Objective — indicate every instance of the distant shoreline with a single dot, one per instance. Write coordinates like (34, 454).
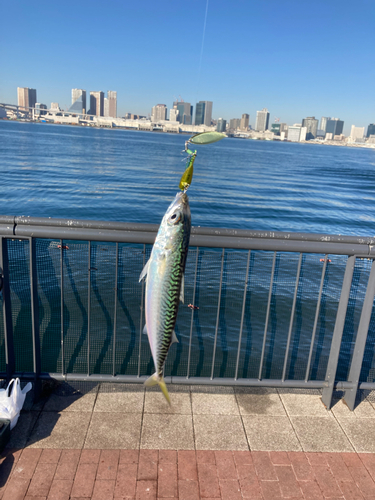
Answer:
(131, 129)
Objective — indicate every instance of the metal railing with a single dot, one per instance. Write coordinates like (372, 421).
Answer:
(268, 308)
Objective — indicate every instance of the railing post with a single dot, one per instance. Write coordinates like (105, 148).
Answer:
(35, 318)
(217, 314)
(360, 342)
(337, 333)
(7, 310)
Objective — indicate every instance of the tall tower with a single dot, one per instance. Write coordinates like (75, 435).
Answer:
(311, 125)
(112, 103)
(78, 101)
(97, 103)
(26, 97)
(262, 120)
(199, 113)
(159, 112)
(245, 122)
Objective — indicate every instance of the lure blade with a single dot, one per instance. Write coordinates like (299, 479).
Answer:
(207, 138)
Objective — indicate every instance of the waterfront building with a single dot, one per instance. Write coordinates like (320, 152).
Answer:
(235, 123)
(78, 101)
(311, 125)
(26, 97)
(39, 109)
(275, 128)
(244, 125)
(357, 133)
(55, 106)
(173, 115)
(297, 133)
(323, 123)
(221, 125)
(199, 113)
(112, 103)
(370, 130)
(96, 103)
(262, 120)
(334, 126)
(185, 112)
(283, 128)
(159, 112)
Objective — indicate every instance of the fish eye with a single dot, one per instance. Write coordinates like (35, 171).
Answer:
(175, 218)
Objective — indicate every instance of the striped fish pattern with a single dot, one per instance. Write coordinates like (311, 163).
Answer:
(164, 274)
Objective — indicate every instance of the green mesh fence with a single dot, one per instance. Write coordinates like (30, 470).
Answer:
(88, 337)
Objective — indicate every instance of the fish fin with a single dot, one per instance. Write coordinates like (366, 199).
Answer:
(145, 330)
(144, 270)
(182, 289)
(155, 379)
(174, 337)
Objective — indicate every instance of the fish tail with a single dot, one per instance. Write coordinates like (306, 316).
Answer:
(158, 379)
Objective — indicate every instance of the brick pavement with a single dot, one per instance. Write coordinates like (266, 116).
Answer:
(53, 474)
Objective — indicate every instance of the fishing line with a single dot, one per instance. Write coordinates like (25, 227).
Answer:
(201, 56)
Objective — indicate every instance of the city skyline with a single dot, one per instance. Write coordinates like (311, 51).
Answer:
(277, 66)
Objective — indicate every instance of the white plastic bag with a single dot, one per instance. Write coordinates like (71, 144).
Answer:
(11, 404)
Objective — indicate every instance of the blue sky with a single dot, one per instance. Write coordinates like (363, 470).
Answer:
(296, 58)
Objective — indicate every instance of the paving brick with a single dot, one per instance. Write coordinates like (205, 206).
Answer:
(126, 481)
(146, 490)
(42, 479)
(27, 497)
(350, 490)
(368, 460)
(129, 456)
(84, 480)
(288, 482)
(311, 490)
(66, 471)
(8, 461)
(248, 479)
(108, 464)
(264, 466)
(60, 489)
(316, 458)
(279, 458)
(326, 481)
(230, 489)
(50, 456)
(167, 456)
(242, 457)
(70, 456)
(187, 465)
(188, 490)
(103, 489)
(363, 480)
(27, 463)
(270, 490)
(301, 466)
(16, 488)
(148, 465)
(208, 481)
(338, 467)
(226, 468)
(352, 459)
(89, 457)
(167, 480)
(205, 457)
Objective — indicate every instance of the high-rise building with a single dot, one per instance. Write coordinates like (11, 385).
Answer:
(296, 133)
(26, 97)
(173, 115)
(159, 112)
(275, 128)
(235, 123)
(78, 101)
(96, 103)
(357, 133)
(185, 112)
(262, 120)
(244, 125)
(199, 113)
(207, 113)
(311, 125)
(323, 122)
(112, 103)
(221, 125)
(334, 126)
(39, 109)
(370, 130)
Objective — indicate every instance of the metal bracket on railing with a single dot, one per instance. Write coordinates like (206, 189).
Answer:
(1, 282)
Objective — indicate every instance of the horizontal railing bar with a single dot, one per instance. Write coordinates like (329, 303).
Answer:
(142, 237)
(244, 382)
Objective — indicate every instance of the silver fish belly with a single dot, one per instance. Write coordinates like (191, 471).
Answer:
(164, 274)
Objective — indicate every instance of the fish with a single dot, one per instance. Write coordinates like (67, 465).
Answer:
(164, 274)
